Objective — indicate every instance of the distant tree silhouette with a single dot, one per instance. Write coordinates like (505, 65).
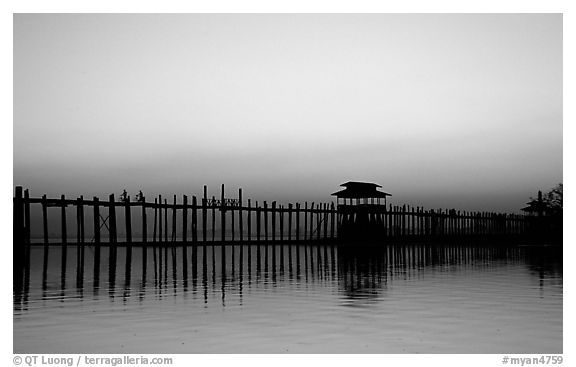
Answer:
(553, 199)
(549, 204)
(545, 215)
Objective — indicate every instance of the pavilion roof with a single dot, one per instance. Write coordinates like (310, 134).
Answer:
(358, 190)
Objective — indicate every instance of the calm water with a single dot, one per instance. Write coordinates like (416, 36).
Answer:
(290, 299)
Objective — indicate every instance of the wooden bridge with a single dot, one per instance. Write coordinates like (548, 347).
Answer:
(224, 220)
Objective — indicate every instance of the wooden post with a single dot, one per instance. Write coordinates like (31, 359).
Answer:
(281, 223)
(78, 205)
(166, 220)
(144, 224)
(389, 220)
(184, 218)
(18, 229)
(26, 217)
(297, 221)
(128, 218)
(311, 235)
(82, 233)
(273, 221)
(265, 221)
(383, 219)
(318, 223)
(258, 224)
(204, 213)
(438, 221)
(397, 221)
(155, 221)
(18, 246)
(159, 218)
(432, 222)
(240, 218)
(290, 222)
(332, 219)
(459, 223)
(96, 220)
(112, 217)
(63, 211)
(213, 218)
(173, 236)
(424, 222)
(429, 222)
(45, 219)
(222, 215)
(305, 220)
(403, 220)
(325, 221)
(416, 219)
(249, 218)
(232, 226)
(194, 219)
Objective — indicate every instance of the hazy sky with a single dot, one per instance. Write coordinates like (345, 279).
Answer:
(453, 110)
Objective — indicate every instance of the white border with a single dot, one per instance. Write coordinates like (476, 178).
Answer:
(294, 6)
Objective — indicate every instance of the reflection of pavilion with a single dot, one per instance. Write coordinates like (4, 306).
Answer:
(359, 207)
(362, 274)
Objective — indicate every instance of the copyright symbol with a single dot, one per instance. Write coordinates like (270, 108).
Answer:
(17, 360)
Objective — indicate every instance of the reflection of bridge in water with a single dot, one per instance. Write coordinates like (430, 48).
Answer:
(207, 271)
